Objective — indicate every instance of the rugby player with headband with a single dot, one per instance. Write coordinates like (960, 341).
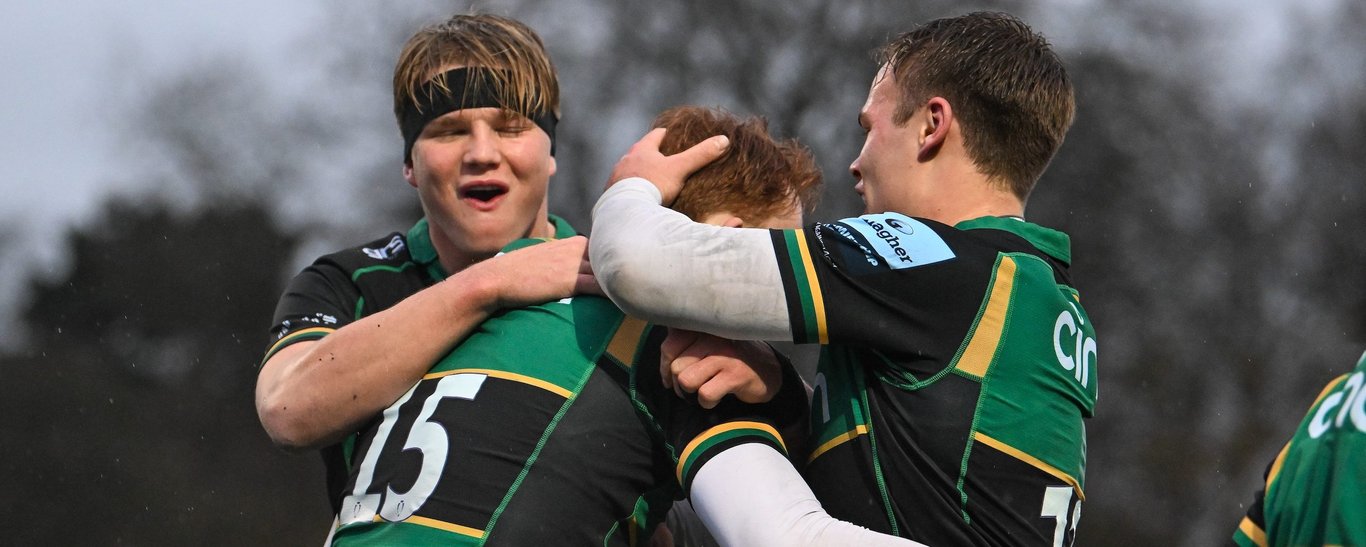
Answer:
(477, 100)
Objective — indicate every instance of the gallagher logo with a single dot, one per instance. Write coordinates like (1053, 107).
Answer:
(901, 241)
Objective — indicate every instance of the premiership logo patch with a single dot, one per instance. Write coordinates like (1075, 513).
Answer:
(386, 252)
(899, 240)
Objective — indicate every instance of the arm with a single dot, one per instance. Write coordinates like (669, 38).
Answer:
(658, 265)
(751, 495)
(312, 394)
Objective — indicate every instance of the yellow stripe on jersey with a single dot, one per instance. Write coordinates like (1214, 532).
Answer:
(296, 335)
(442, 525)
(981, 349)
(1252, 531)
(626, 341)
(838, 440)
(520, 378)
(717, 430)
(1031, 460)
(1276, 464)
(817, 301)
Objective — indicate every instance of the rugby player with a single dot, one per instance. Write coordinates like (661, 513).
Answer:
(958, 364)
(1315, 489)
(551, 424)
(355, 330)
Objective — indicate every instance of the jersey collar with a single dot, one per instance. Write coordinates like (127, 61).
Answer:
(1056, 244)
(422, 251)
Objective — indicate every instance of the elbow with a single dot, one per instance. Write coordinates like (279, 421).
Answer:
(625, 274)
(630, 288)
(285, 424)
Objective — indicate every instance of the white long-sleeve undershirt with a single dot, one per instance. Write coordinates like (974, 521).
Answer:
(750, 495)
(660, 266)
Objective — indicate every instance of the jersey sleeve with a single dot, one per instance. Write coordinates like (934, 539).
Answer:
(693, 435)
(319, 300)
(893, 284)
(1251, 531)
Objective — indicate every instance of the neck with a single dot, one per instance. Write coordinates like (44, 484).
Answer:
(994, 204)
(970, 195)
(455, 258)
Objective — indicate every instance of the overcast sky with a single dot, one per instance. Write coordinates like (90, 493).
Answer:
(64, 62)
(60, 62)
(61, 57)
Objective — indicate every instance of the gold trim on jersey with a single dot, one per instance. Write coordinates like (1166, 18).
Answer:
(1031, 460)
(838, 440)
(1276, 464)
(441, 525)
(296, 334)
(817, 301)
(520, 378)
(1252, 531)
(626, 341)
(719, 429)
(986, 335)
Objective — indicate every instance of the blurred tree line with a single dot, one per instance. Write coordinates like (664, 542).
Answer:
(1218, 247)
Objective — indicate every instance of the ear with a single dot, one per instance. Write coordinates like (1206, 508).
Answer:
(734, 222)
(408, 174)
(938, 117)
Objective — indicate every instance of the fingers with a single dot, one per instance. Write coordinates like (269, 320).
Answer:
(677, 342)
(541, 273)
(701, 154)
(707, 378)
(588, 284)
(667, 173)
(650, 142)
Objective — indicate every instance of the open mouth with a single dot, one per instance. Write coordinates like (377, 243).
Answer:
(482, 193)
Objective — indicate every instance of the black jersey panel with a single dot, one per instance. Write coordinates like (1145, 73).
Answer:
(587, 477)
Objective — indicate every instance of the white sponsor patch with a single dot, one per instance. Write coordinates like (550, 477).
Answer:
(901, 241)
(386, 252)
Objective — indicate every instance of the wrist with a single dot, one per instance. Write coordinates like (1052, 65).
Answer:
(475, 288)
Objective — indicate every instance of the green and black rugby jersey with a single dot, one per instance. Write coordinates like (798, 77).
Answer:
(1315, 492)
(347, 285)
(956, 370)
(540, 428)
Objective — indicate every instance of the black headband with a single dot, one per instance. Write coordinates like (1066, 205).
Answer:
(468, 88)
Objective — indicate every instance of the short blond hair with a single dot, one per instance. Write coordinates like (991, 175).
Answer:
(525, 82)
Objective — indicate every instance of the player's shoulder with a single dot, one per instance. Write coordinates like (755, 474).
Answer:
(390, 250)
(885, 240)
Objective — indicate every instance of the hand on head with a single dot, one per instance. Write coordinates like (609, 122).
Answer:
(667, 173)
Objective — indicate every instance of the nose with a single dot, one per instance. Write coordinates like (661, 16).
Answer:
(854, 170)
(483, 146)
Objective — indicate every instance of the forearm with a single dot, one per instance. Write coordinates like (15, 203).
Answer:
(751, 495)
(658, 265)
(315, 393)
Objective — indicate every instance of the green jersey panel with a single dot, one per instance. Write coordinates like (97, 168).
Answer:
(957, 369)
(1315, 490)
